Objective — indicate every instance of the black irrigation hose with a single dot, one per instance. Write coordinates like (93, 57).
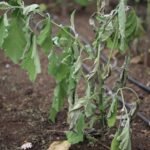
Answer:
(130, 79)
(140, 85)
(143, 118)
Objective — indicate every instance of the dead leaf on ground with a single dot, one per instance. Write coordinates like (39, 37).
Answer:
(60, 145)
(136, 59)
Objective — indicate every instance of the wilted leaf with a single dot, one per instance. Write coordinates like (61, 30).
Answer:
(4, 5)
(60, 145)
(111, 117)
(122, 23)
(58, 99)
(72, 21)
(125, 137)
(15, 43)
(122, 139)
(30, 8)
(57, 68)
(31, 61)
(107, 32)
(74, 137)
(115, 143)
(44, 38)
(77, 123)
(3, 30)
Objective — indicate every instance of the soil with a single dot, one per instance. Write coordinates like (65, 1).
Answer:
(24, 106)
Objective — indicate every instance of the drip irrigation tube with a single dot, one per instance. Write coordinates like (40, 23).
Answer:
(130, 79)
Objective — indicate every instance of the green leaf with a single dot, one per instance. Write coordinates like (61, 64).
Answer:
(60, 93)
(79, 104)
(4, 5)
(111, 117)
(122, 139)
(115, 143)
(52, 114)
(125, 137)
(133, 26)
(64, 37)
(44, 38)
(31, 61)
(16, 2)
(82, 2)
(107, 32)
(30, 8)
(57, 68)
(112, 44)
(77, 65)
(77, 124)
(74, 137)
(80, 124)
(122, 23)
(15, 42)
(3, 29)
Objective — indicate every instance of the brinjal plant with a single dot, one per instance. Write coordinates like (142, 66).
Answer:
(64, 50)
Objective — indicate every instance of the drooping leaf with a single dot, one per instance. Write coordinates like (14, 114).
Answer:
(72, 21)
(30, 8)
(115, 143)
(133, 26)
(3, 29)
(35, 56)
(131, 23)
(60, 93)
(31, 61)
(122, 23)
(77, 65)
(105, 34)
(122, 139)
(4, 5)
(125, 137)
(64, 38)
(58, 68)
(74, 137)
(15, 43)
(44, 38)
(79, 104)
(77, 123)
(112, 43)
(111, 117)
(80, 124)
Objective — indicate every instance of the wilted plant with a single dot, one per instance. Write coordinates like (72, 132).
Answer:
(114, 30)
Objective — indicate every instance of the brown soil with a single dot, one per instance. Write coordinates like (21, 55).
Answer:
(24, 106)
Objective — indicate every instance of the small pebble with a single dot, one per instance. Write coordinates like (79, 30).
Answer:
(7, 66)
